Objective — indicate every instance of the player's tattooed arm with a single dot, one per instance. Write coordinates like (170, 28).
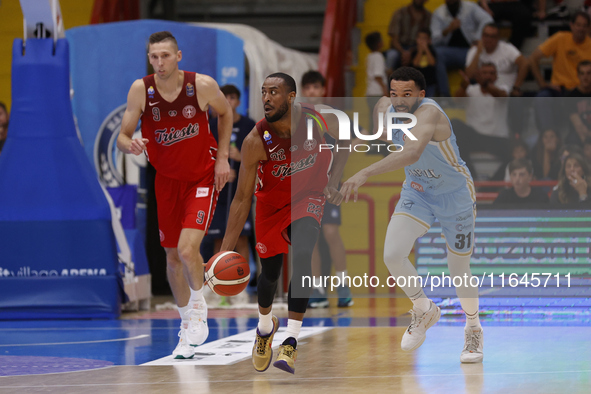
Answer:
(252, 152)
(135, 102)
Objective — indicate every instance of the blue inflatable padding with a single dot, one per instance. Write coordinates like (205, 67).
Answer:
(138, 252)
(58, 255)
(125, 199)
(77, 298)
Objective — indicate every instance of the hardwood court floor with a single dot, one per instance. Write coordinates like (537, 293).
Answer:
(360, 352)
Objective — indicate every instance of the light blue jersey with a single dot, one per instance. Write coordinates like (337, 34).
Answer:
(440, 169)
(439, 186)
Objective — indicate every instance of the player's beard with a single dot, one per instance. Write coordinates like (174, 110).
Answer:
(279, 114)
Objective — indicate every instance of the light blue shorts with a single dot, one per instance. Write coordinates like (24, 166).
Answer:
(455, 211)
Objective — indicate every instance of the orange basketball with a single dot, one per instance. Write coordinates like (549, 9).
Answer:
(227, 273)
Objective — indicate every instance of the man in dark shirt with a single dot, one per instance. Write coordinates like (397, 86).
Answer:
(521, 172)
(579, 107)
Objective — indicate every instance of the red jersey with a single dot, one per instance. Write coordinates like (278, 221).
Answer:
(181, 145)
(295, 167)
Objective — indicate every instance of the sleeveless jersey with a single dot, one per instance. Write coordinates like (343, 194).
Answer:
(295, 167)
(440, 169)
(181, 145)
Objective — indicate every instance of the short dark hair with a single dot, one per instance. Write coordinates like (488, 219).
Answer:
(372, 40)
(574, 17)
(493, 25)
(313, 76)
(425, 31)
(230, 89)
(409, 74)
(583, 64)
(517, 164)
(161, 36)
(3, 106)
(288, 81)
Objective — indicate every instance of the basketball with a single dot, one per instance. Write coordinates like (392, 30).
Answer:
(227, 273)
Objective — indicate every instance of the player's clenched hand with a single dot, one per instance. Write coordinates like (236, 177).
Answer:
(138, 145)
(222, 173)
(332, 195)
(352, 185)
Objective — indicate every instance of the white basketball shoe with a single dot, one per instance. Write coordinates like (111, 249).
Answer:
(473, 346)
(183, 350)
(415, 334)
(197, 331)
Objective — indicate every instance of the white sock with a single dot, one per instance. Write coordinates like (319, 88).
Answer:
(265, 325)
(473, 321)
(422, 303)
(196, 296)
(293, 328)
(182, 311)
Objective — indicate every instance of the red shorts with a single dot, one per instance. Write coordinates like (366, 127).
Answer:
(271, 223)
(182, 205)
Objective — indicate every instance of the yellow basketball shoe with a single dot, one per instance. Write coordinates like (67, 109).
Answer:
(287, 355)
(262, 352)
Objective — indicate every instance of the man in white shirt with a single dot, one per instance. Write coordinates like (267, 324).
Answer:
(512, 66)
(486, 127)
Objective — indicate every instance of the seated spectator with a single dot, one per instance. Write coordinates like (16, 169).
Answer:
(3, 124)
(424, 59)
(455, 26)
(567, 49)
(580, 110)
(546, 157)
(512, 66)
(522, 173)
(514, 11)
(572, 185)
(486, 127)
(404, 26)
(519, 150)
(587, 149)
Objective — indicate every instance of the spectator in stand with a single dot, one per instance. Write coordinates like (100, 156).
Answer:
(512, 66)
(546, 158)
(3, 124)
(519, 150)
(572, 185)
(486, 127)
(514, 11)
(522, 173)
(455, 26)
(580, 110)
(567, 49)
(424, 59)
(566, 150)
(587, 149)
(404, 27)
(375, 67)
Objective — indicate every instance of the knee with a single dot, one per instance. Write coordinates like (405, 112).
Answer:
(186, 253)
(331, 233)
(394, 256)
(173, 261)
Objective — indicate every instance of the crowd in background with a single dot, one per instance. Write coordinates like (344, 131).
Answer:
(466, 39)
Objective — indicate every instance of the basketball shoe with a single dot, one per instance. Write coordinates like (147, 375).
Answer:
(183, 350)
(415, 334)
(197, 331)
(317, 300)
(473, 346)
(262, 351)
(287, 355)
(345, 299)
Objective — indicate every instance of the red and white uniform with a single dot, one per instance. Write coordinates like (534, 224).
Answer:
(290, 183)
(183, 151)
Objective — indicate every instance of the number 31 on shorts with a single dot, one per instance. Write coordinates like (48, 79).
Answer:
(463, 241)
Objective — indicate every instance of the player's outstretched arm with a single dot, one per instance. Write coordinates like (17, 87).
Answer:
(210, 94)
(252, 152)
(135, 101)
(428, 118)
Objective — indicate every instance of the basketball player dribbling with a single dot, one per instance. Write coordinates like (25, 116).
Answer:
(291, 174)
(438, 185)
(190, 170)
